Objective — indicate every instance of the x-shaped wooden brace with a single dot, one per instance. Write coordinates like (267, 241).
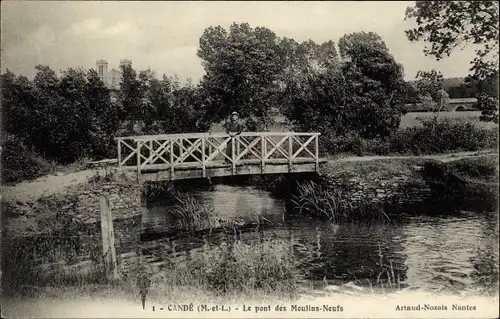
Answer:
(218, 149)
(303, 146)
(276, 146)
(248, 147)
(157, 154)
(185, 153)
(134, 152)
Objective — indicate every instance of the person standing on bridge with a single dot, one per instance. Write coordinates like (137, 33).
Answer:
(234, 126)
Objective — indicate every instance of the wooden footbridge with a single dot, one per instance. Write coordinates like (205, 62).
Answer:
(197, 155)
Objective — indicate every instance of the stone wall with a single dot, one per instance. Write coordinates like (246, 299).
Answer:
(391, 190)
(64, 230)
(403, 185)
(126, 201)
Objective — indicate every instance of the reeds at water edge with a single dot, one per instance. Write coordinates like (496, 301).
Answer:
(315, 200)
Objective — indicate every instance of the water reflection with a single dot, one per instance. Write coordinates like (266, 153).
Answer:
(242, 202)
(421, 252)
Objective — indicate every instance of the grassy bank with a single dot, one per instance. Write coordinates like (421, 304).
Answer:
(232, 268)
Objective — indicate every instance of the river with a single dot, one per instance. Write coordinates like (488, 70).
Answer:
(429, 252)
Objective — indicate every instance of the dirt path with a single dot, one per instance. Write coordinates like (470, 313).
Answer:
(45, 186)
(440, 157)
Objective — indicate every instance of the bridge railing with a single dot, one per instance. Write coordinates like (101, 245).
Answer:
(205, 150)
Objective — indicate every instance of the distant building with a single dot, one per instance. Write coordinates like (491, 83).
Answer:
(458, 104)
(463, 103)
(113, 77)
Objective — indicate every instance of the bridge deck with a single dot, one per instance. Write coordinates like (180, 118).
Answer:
(183, 156)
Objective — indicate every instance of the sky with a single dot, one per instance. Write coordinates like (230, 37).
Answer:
(164, 35)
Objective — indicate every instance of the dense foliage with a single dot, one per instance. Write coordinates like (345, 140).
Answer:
(61, 119)
(362, 93)
(242, 67)
(448, 25)
(20, 162)
(431, 137)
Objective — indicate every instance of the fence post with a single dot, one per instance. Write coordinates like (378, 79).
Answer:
(138, 161)
(316, 146)
(263, 151)
(119, 152)
(238, 150)
(290, 153)
(232, 155)
(172, 159)
(108, 238)
(152, 154)
(203, 156)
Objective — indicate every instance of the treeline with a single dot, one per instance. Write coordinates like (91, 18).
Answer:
(353, 88)
(54, 120)
(71, 116)
(469, 90)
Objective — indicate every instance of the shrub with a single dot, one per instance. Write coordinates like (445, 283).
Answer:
(349, 143)
(431, 138)
(21, 162)
(442, 136)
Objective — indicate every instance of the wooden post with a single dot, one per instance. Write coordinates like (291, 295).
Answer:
(232, 156)
(203, 157)
(108, 238)
(263, 152)
(119, 152)
(138, 161)
(316, 154)
(172, 159)
(238, 151)
(290, 153)
(151, 153)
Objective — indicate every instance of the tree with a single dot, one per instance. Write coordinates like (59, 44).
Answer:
(130, 95)
(148, 88)
(64, 118)
(105, 116)
(448, 25)
(430, 85)
(18, 97)
(489, 107)
(363, 94)
(300, 64)
(377, 81)
(242, 68)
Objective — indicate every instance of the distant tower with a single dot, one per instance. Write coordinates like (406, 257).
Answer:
(125, 63)
(102, 69)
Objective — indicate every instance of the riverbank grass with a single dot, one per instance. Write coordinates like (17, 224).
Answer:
(314, 199)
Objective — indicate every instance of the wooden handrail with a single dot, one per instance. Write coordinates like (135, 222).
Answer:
(199, 135)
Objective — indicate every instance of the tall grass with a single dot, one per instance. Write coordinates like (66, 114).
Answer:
(190, 215)
(387, 276)
(315, 200)
(233, 267)
(486, 268)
